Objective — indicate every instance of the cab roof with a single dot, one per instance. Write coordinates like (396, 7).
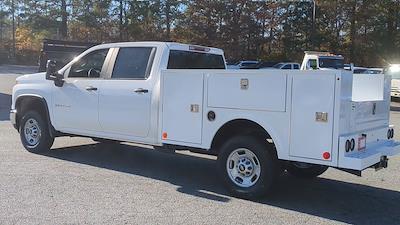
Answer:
(322, 54)
(170, 45)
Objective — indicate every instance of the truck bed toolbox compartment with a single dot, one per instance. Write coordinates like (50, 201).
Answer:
(248, 90)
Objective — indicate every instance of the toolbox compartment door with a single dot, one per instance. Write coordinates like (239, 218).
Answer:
(182, 108)
(313, 96)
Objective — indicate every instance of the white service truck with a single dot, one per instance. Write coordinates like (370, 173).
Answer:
(180, 97)
(321, 61)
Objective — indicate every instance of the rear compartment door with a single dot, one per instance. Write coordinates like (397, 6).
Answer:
(312, 102)
(370, 102)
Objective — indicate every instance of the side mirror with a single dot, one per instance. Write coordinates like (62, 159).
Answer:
(52, 74)
(51, 69)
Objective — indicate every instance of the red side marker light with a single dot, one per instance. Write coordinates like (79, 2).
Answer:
(326, 155)
(164, 135)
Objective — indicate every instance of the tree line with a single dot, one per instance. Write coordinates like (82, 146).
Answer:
(365, 32)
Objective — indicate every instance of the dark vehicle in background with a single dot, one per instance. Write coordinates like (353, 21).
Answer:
(359, 70)
(61, 51)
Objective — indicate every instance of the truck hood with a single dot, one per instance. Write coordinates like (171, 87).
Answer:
(31, 78)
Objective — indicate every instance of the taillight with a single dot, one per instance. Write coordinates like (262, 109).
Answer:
(390, 133)
(350, 145)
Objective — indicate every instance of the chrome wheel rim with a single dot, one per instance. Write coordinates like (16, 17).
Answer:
(243, 167)
(32, 132)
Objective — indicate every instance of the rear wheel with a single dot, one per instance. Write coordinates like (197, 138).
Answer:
(305, 170)
(34, 133)
(247, 166)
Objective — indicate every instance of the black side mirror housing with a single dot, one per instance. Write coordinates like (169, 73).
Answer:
(50, 69)
(52, 74)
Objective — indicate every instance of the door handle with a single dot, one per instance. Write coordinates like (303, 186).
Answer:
(141, 90)
(91, 88)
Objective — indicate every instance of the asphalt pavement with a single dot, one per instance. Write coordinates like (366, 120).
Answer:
(82, 182)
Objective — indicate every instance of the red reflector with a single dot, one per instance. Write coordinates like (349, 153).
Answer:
(164, 135)
(326, 155)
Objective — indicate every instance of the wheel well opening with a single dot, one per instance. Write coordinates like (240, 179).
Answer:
(28, 103)
(239, 127)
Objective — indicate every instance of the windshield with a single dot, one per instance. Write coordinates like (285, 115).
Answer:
(360, 71)
(278, 66)
(249, 63)
(333, 63)
(374, 71)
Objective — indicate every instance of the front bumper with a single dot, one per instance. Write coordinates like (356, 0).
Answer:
(13, 118)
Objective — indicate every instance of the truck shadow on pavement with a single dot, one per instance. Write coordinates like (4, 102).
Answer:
(5, 105)
(322, 197)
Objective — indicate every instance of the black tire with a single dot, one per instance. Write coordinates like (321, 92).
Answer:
(45, 141)
(309, 171)
(267, 160)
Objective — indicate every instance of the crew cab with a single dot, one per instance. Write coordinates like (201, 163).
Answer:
(174, 96)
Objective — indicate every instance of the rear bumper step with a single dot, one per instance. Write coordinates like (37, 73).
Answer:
(375, 156)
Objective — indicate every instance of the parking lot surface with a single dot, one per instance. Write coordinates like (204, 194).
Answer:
(82, 182)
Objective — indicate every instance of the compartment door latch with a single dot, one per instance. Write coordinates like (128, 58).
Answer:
(194, 108)
(321, 116)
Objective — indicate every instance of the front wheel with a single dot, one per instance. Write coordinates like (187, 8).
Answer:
(247, 166)
(34, 133)
(305, 170)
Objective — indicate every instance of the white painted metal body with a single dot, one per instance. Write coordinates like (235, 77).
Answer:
(306, 113)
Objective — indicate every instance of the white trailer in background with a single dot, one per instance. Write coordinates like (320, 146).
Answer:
(394, 71)
(176, 96)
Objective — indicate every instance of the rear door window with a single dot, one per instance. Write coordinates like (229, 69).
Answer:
(194, 60)
(133, 63)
